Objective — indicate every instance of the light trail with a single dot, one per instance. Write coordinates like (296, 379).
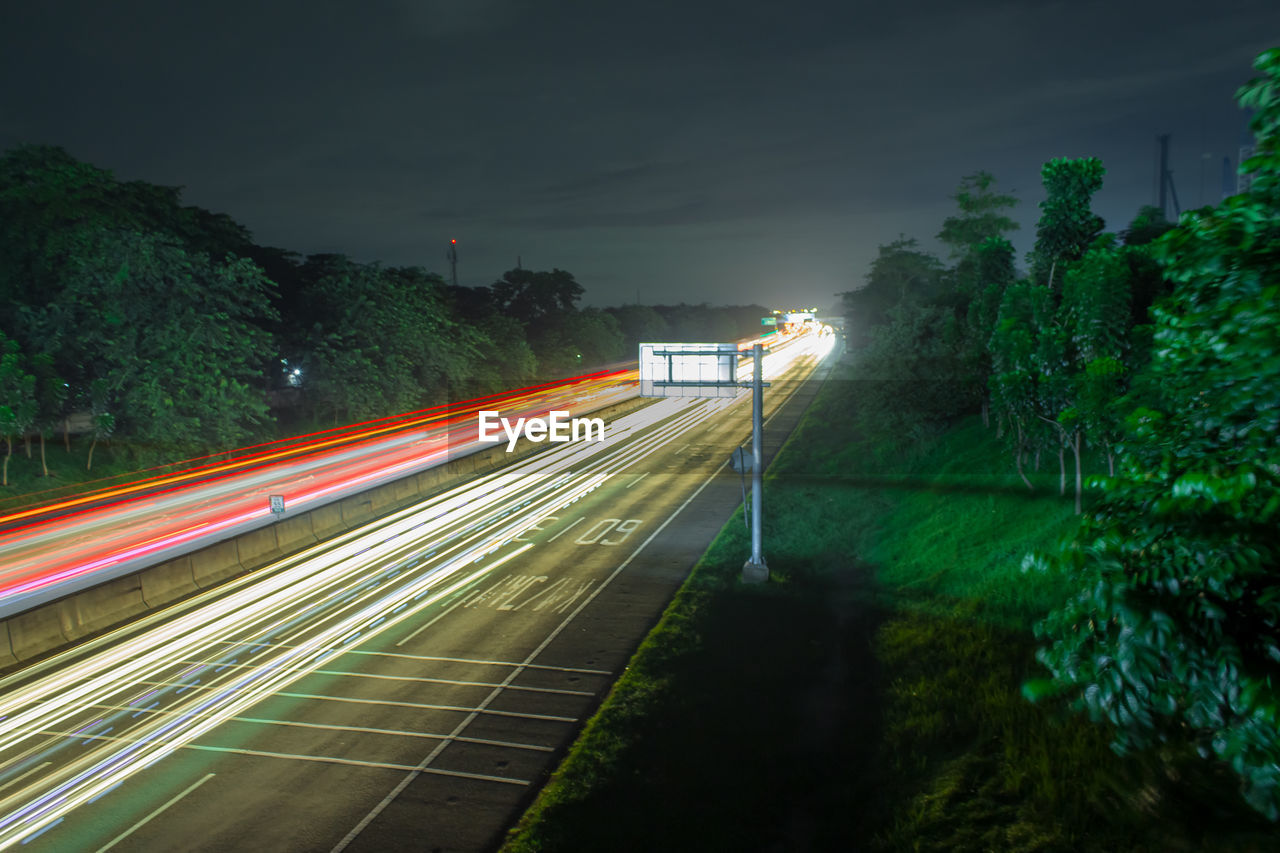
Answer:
(179, 674)
(285, 448)
(330, 586)
(60, 555)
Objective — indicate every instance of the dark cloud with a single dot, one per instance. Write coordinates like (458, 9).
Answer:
(700, 151)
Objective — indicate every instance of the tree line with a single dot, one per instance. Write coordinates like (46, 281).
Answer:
(132, 316)
(1154, 352)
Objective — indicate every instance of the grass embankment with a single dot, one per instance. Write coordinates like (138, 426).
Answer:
(868, 697)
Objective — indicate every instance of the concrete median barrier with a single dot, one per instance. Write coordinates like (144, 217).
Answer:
(215, 564)
(104, 606)
(37, 632)
(168, 582)
(356, 511)
(6, 648)
(403, 492)
(383, 499)
(326, 521)
(294, 534)
(257, 547)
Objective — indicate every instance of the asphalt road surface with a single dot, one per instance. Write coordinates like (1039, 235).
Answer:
(406, 686)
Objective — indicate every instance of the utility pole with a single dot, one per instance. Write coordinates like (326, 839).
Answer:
(755, 570)
(453, 260)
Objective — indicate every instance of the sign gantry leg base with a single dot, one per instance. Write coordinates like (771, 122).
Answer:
(753, 572)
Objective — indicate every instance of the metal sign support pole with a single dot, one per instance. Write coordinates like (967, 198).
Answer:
(754, 570)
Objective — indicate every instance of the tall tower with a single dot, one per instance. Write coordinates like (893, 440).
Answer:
(1166, 181)
(453, 260)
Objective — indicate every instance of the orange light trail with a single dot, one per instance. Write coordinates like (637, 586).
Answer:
(148, 520)
(290, 447)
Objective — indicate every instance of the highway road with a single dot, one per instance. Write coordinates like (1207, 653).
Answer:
(407, 685)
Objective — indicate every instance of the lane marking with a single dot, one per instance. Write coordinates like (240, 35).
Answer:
(475, 575)
(479, 661)
(421, 679)
(353, 762)
(638, 479)
(426, 707)
(424, 765)
(365, 730)
(566, 530)
(131, 830)
(320, 759)
(461, 709)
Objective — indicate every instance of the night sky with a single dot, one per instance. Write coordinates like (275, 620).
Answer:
(679, 151)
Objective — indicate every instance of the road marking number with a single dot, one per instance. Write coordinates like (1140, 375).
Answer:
(609, 531)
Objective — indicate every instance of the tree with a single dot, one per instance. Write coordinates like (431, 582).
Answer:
(530, 296)
(1095, 306)
(1067, 227)
(899, 271)
(1174, 636)
(575, 340)
(166, 342)
(981, 216)
(1147, 225)
(1015, 367)
(911, 377)
(378, 341)
(640, 323)
(993, 272)
(17, 399)
(506, 361)
(51, 395)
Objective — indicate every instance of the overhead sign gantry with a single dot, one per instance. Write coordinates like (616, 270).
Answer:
(711, 370)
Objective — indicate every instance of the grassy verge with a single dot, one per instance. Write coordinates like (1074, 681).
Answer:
(868, 697)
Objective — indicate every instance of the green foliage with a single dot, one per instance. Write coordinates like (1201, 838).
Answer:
(530, 296)
(1262, 95)
(1067, 225)
(981, 216)
(17, 398)
(994, 272)
(379, 340)
(1147, 225)
(900, 271)
(912, 375)
(574, 341)
(640, 323)
(505, 359)
(1096, 313)
(161, 342)
(1175, 632)
(1015, 366)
